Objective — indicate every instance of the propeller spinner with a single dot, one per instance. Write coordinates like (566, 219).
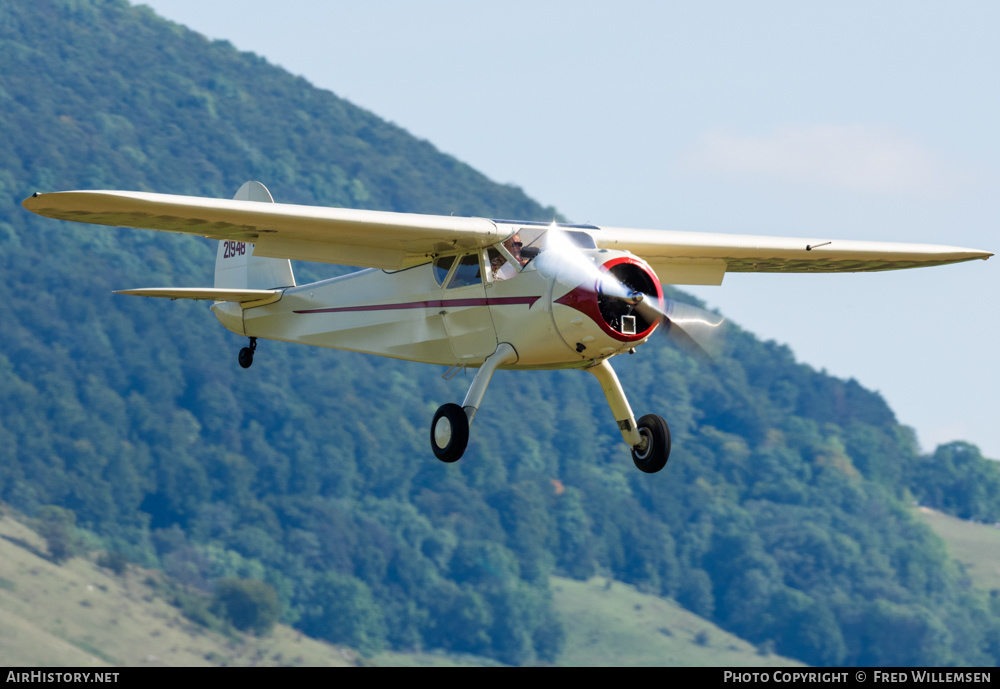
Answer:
(624, 297)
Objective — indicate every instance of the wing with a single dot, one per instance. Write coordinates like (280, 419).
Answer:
(378, 239)
(248, 297)
(371, 239)
(692, 258)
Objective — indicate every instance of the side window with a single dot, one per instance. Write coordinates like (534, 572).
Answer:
(467, 272)
(441, 267)
(496, 260)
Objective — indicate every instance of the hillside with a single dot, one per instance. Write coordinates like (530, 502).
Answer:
(974, 545)
(82, 615)
(782, 517)
(79, 614)
(614, 625)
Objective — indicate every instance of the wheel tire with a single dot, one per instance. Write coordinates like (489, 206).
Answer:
(449, 432)
(246, 357)
(657, 434)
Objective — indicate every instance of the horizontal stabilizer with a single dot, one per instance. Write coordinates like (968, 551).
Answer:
(256, 297)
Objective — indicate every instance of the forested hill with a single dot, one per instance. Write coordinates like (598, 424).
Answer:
(782, 515)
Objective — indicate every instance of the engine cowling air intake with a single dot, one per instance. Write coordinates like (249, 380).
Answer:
(620, 307)
(619, 311)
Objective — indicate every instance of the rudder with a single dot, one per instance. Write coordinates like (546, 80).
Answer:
(235, 265)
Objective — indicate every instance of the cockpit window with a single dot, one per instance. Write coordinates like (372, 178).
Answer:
(535, 240)
(467, 272)
(441, 267)
(580, 239)
(506, 259)
(496, 261)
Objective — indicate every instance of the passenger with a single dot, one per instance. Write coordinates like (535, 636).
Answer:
(504, 270)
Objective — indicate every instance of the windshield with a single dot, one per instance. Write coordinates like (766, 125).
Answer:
(511, 256)
(528, 242)
(535, 239)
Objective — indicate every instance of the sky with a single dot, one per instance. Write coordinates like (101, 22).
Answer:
(841, 120)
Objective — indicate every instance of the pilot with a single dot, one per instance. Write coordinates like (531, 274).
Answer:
(504, 270)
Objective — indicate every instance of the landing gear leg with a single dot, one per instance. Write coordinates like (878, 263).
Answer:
(450, 427)
(246, 354)
(649, 438)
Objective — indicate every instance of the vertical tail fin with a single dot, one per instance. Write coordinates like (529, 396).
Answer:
(235, 265)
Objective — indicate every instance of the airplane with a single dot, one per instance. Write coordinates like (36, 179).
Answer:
(466, 292)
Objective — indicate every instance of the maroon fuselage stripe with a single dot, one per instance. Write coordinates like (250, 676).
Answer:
(435, 304)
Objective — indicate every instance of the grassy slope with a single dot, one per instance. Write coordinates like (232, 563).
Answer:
(617, 625)
(976, 546)
(78, 614)
(609, 623)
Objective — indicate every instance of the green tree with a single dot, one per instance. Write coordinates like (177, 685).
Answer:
(341, 609)
(458, 620)
(57, 526)
(113, 560)
(250, 606)
(958, 480)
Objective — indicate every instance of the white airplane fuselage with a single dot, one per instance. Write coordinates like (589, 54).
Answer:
(549, 318)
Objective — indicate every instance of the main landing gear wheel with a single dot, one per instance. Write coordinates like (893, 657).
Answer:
(449, 432)
(656, 434)
(246, 354)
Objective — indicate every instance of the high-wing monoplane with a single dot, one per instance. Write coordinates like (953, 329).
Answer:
(468, 292)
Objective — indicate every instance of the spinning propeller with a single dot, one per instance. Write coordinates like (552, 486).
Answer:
(630, 298)
(698, 332)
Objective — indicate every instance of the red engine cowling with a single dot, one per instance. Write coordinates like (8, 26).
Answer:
(610, 321)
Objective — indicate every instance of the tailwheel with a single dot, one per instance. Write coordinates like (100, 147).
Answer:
(449, 432)
(246, 354)
(652, 454)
